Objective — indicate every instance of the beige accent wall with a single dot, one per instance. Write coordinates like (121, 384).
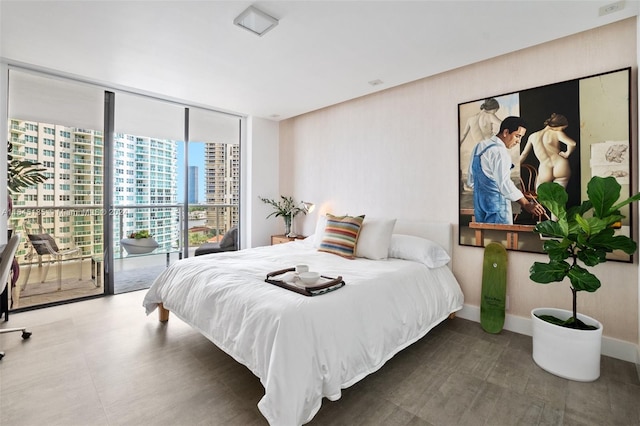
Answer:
(394, 153)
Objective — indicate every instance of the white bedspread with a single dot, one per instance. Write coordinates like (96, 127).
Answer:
(305, 348)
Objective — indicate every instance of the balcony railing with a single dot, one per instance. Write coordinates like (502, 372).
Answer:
(86, 224)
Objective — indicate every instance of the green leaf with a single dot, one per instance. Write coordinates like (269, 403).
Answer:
(545, 273)
(606, 240)
(583, 224)
(622, 242)
(554, 197)
(603, 193)
(286, 206)
(582, 209)
(22, 174)
(550, 228)
(625, 202)
(557, 250)
(583, 280)
(597, 225)
(591, 256)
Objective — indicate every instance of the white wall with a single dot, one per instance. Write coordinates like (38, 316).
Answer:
(395, 153)
(260, 164)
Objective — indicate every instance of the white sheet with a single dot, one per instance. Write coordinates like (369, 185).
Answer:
(305, 348)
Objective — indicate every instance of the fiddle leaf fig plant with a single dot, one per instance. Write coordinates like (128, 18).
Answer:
(580, 237)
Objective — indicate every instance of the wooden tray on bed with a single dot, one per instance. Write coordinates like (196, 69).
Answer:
(326, 285)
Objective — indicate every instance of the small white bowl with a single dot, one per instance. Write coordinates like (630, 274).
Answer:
(309, 278)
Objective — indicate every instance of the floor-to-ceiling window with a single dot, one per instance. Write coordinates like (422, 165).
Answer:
(147, 138)
(113, 164)
(213, 176)
(55, 131)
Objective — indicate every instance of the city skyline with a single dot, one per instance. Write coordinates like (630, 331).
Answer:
(146, 171)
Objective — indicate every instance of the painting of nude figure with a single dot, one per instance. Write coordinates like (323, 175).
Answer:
(573, 130)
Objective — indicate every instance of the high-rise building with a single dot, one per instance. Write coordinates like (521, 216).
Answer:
(192, 196)
(145, 171)
(69, 204)
(222, 180)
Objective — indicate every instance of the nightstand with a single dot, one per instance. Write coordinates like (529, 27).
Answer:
(279, 239)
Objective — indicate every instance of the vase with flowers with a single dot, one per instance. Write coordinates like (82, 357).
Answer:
(286, 208)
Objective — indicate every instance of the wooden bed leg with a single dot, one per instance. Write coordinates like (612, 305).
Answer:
(163, 314)
(452, 315)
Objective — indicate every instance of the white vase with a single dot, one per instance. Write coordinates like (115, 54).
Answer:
(139, 245)
(566, 352)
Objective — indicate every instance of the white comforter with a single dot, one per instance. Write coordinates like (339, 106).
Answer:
(305, 348)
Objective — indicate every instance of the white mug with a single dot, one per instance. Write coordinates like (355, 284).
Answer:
(302, 268)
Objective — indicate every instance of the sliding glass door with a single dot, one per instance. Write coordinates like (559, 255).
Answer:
(146, 144)
(176, 174)
(56, 149)
(121, 185)
(212, 180)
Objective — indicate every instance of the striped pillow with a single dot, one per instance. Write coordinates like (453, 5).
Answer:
(341, 235)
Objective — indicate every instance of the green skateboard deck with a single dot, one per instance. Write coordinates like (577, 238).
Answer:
(494, 288)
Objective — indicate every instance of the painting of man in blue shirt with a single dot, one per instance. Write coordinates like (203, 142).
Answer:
(490, 176)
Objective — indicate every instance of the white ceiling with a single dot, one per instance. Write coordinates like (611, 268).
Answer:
(320, 54)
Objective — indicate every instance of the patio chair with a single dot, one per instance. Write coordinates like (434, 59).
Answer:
(6, 260)
(229, 242)
(44, 246)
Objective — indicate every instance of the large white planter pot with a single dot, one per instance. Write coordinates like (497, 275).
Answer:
(566, 352)
(139, 246)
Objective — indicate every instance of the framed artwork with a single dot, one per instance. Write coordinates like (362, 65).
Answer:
(575, 130)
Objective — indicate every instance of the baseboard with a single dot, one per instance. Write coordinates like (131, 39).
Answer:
(614, 348)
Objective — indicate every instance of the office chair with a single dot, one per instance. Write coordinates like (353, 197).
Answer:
(5, 268)
(45, 245)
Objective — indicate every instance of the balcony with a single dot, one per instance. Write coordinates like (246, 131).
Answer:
(83, 278)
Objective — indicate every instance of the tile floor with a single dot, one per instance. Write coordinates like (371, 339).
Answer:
(103, 362)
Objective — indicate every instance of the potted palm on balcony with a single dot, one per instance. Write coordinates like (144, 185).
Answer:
(566, 343)
(21, 174)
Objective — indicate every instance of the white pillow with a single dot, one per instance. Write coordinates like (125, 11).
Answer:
(375, 237)
(418, 249)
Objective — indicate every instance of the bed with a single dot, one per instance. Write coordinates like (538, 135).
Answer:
(305, 348)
